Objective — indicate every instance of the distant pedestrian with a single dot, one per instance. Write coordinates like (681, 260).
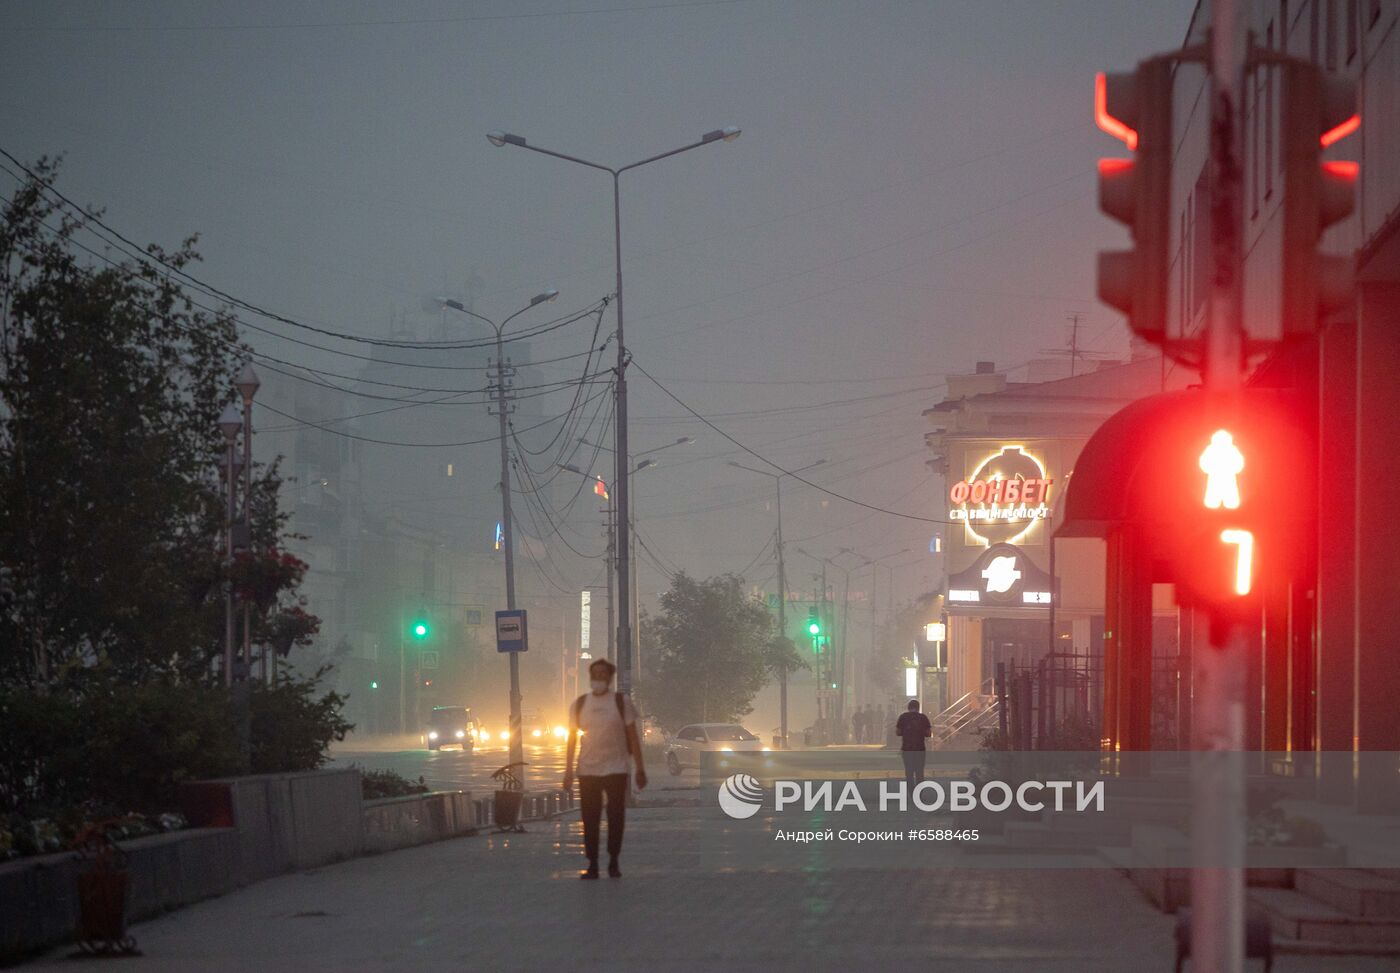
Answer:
(603, 725)
(913, 728)
(857, 725)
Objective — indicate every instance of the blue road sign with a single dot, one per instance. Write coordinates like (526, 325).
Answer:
(512, 634)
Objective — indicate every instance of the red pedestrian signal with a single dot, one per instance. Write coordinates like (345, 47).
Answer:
(1137, 108)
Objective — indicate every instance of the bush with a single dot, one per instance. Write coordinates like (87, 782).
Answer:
(99, 748)
(375, 784)
(127, 747)
(292, 727)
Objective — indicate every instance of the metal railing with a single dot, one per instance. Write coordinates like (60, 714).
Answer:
(970, 713)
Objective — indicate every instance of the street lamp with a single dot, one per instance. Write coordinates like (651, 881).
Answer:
(727, 134)
(248, 384)
(502, 376)
(782, 585)
(230, 422)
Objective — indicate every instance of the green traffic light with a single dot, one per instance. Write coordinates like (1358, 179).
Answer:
(814, 628)
(374, 684)
(420, 630)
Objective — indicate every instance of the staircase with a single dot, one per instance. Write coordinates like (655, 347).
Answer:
(1335, 910)
(959, 726)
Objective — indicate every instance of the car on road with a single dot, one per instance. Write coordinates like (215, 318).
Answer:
(535, 729)
(450, 726)
(685, 748)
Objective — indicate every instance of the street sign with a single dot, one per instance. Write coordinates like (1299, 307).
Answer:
(511, 631)
(428, 660)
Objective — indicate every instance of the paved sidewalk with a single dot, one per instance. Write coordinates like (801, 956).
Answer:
(502, 903)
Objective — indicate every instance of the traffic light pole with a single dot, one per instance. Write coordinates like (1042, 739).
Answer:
(1218, 674)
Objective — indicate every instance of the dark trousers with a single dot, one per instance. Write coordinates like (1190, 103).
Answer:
(590, 799)
(914, 766)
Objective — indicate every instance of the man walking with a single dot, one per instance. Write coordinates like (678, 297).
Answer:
(858, 726)
(603, 725)
(913, 728)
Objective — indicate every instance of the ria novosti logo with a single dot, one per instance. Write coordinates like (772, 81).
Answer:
(740, 796)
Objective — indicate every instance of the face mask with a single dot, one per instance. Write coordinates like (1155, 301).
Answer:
(600, 686)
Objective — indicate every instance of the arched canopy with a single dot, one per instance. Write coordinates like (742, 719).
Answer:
(1144, 466)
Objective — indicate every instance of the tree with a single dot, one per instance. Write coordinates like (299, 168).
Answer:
(713, 651)
(898, 639)
(111, 511)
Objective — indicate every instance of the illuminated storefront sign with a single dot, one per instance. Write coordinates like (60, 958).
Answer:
(1003, 577)
(1004, 497)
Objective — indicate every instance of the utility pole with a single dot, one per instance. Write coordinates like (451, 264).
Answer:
(501, 376)
(782, 585)
(782, 632)
(824, 678)
(611, 538)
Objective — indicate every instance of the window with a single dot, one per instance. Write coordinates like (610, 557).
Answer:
(1313, 31)
(1353, 28)
(1330, 40)
(1269, 76)
(1184, 265)
(1253, 149)
(1200, 242)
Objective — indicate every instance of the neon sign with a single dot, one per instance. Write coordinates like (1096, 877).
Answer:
(1004, 497)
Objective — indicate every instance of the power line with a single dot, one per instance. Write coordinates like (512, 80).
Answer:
(796, 476)
(136, 251)
(394, 442)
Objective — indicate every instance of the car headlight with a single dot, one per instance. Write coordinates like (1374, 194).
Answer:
(726, 749)
(432, 734)
(483, 735)
(461, 734)
(766, 749)
(560, 732)
(536, 734)
(505, 734)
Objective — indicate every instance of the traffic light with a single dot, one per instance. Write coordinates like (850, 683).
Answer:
(814, 629)
(1319, 109)
(420, 629)
(1228, 491)
(1137, 108)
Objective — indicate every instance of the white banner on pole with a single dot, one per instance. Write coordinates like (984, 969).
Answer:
(585, 618)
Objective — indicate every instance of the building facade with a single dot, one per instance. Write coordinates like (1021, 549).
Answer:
(1012, 598)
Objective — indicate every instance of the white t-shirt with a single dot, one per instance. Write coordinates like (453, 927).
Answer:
(603, 747)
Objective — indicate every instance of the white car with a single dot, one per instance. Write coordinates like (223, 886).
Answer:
(684, 749)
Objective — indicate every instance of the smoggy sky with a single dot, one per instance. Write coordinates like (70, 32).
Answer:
(913, 191)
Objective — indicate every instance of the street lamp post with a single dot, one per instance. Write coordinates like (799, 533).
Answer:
(502, 376)
(624, 628)
(248, 384)
(230, 422)
(782, 587)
